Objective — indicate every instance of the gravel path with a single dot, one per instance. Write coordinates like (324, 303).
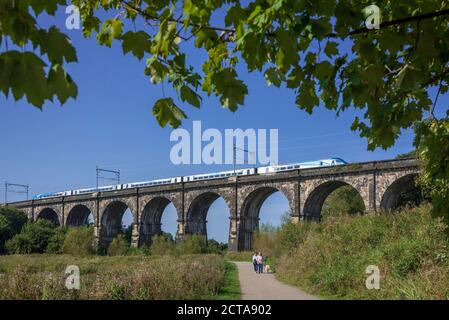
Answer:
(265, 286)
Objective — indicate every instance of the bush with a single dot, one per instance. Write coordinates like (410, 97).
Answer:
(79, 241)
(33, 238)
(264, 240)
(11, 222)
(119, 246)
(56, 241)
(409, 247)
(344, 200)
(193, 244)
(215, 247)
(162, 245)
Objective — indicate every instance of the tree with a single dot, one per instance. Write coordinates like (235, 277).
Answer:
(119, 246)
(34, 238)
(11, 222)
(57, 240)
(344, 200)
(324, 53)
(79, 241)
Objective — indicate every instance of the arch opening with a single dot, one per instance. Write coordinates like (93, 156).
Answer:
(217, 229)
(49, 215)
(80, 215)
(333, 197)
(154, 220)
(402, 192)
(116, 219)
(254, 207)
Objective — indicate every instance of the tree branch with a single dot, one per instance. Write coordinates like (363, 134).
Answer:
(418, 18)
(196, 25)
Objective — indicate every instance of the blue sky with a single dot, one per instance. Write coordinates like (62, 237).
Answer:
(110, 124)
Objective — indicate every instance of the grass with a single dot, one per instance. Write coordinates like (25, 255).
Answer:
(39, 277)
(230, 289)
(239, 256)
(410, 248)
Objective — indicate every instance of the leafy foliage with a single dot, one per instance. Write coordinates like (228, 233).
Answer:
(344, 200)
(79, 241)
(409, 247)
(33, 238)
(433, 148)
(24, 73)
(324, 53)
(119, 246)
(11, 222)
(162, 245)
(57, 240)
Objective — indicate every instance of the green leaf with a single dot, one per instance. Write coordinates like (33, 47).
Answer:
(56, 45)
(156, 70)
(231, 90)
(61, 84)
(274, 76)
(288, 52)
(307, 98)
(331, 49)
(324, 70)
(24, 75)
(136, 42)
(167, 112)
(112, 29)
(206, 38)
(190, 96)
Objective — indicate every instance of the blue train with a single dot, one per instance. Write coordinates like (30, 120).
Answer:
(199, 177)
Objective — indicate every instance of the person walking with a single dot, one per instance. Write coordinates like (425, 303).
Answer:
(259, 260)
(255, 262)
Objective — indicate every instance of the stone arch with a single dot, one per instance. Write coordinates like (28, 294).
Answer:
(249, 213)
(195, 219)
(111, 220)
(315, 199)
(49, 214)
(151, 217)
(392, 193)
(78, 215)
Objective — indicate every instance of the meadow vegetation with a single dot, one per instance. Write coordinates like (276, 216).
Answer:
(41, 276)
(330, 258)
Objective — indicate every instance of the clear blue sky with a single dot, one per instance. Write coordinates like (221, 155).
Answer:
(110, 124)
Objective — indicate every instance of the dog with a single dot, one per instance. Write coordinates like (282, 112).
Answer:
(267, 268)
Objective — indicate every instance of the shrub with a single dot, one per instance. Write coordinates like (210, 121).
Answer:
(79, 241)
(11, 222)
(264, 239)
(119, 246)
(162, 245)
(213, 246)
(56, 241)
(409, 247)
(33, 238)
(193, 244)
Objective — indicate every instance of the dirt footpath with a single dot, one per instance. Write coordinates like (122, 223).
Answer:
(265, 286)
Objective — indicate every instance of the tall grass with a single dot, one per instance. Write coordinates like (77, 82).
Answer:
(125, 277)
(410, 248)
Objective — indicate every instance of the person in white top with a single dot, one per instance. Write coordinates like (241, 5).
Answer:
(255, 262)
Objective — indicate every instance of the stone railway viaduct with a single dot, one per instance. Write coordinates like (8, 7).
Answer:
(379, 184)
